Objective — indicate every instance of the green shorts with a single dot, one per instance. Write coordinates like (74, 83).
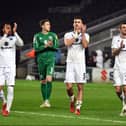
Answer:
(46, 68)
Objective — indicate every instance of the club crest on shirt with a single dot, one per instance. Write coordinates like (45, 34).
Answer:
(50, 38)
(11, 38)
(40, 38)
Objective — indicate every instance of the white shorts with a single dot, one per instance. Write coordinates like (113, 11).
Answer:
(7, 76)
(119, 77)
(75, 73)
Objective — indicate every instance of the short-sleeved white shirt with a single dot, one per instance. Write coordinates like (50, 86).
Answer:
(120, 60)
(76, 52)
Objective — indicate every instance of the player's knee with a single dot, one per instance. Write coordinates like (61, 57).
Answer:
(118, 92)
(1, 88)
(124, 89)
(70, 91)
(43, 81)
(69, 86)
(49, 79)
(80, 87)
(118, 89)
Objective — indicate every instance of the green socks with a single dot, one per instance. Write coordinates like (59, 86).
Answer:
(46, 90)
(43, 91)
(49, 89)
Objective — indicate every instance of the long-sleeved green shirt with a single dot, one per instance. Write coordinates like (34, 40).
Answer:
(39, 42)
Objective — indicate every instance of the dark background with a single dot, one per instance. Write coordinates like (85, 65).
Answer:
(28, 14)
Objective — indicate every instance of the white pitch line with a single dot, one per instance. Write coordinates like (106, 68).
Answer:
(70, 117)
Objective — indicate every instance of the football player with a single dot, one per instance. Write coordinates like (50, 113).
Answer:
(76, 42)
(45, 44)
(119, 51)
(8, 42)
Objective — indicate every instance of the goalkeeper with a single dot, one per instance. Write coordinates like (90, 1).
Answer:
(45, 44)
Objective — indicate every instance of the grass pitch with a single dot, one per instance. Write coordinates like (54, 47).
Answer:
(101, 107)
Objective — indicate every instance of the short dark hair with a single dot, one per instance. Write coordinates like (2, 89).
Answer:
(79, 17)
(3, 25)
(7, 23)
(122, 24)
(43, 21)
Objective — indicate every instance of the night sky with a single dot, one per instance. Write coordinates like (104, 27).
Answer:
(28, 13)
(14, 9)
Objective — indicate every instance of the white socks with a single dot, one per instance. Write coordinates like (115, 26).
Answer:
(72, 98)
(10, 96)
(2, 96)
(78, 104)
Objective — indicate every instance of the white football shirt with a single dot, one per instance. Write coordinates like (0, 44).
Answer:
(120, 60)
(76, 52)
(8, 49)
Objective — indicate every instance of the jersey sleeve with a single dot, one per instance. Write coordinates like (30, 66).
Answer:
(114, 43)
(55, 42)
(87, 37)
(19, 41)
(68, 36)
(3, 39)
(36, 44)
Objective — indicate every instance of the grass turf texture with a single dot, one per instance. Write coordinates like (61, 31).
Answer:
(100, 107)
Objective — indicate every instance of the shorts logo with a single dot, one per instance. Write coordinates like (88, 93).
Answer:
(104, 75)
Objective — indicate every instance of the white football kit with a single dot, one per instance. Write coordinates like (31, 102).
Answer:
(7, 58)
(120, 62)
(76, 68)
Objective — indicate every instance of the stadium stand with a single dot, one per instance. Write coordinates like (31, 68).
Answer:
(101, 26)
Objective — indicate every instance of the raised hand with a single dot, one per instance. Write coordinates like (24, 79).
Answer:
(50, 43)
(83, 28)
(75, 35)
(15, 27)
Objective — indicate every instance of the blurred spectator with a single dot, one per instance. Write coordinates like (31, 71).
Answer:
(99, 59)
(91, 60)
(18, 55)
(63, 59)
(107, 60)
(58, 57)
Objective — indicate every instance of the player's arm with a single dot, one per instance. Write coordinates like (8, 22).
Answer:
(55, 42)
(116, 51)
(84, 41)
(52, 44)
(19, 41)
(2, 39)
(68, 41)
(85, 38)
(36, 44)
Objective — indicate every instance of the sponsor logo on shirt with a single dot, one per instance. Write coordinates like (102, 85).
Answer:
(50, 38)
(6, 47)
